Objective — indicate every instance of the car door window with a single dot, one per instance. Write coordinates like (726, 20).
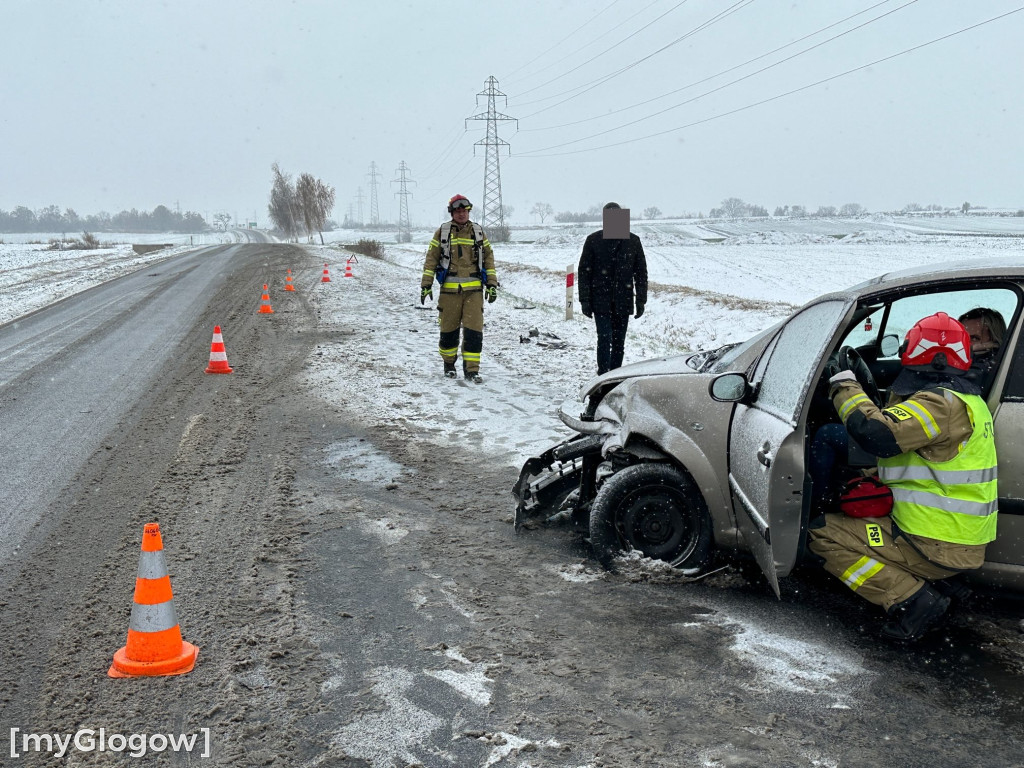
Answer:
(907, 311)
(792, 362)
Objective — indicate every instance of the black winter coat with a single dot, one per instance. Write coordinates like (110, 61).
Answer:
(608, 272)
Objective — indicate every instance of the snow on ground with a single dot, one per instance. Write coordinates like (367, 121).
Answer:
(381, 361)
(33, 276)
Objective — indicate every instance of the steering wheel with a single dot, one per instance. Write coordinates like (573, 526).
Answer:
(850, 359)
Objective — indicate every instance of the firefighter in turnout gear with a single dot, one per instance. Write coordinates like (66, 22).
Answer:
(461, 260)
(936, 453)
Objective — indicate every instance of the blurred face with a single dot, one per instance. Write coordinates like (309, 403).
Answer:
(460, 215)
(980, 337)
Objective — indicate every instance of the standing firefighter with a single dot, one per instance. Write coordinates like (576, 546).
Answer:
(936, 453)
(461, 259)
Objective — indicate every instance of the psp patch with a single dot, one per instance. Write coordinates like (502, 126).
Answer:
(874, 533)
(898, 413)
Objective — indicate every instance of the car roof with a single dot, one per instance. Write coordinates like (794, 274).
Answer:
(1003, 267)
(1011, 267)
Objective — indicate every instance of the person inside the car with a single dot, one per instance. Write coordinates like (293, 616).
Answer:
(986, 328)
(936, 453)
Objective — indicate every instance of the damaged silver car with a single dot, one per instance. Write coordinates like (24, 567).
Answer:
(686, 457)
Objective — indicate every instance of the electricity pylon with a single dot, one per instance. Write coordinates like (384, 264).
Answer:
(374, 215)
(493, 213)
(404, 226)
(359, 204)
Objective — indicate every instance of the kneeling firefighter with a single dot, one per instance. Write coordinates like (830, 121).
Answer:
(461, 259)
(936, 453)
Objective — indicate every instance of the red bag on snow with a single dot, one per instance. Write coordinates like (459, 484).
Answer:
(866, 497)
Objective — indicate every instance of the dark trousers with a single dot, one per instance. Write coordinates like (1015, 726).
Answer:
(829, 448)
(611, 339)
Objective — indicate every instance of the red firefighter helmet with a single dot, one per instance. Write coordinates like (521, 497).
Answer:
(459, 201)
(936, 343)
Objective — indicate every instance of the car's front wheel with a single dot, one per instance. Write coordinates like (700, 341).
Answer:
(656, 510)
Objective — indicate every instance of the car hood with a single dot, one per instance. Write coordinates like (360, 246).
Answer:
(656, 367)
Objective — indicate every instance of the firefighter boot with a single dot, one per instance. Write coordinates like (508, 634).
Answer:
(955, 589)
(909, 620)
(449, 370)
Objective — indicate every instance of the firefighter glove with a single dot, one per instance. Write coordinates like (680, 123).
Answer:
(639, 310)
(426, 293)
(838, 379)
(491, 292)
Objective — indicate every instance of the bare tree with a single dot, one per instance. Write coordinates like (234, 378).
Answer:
(543, 210)
(316, 201)
(305, 192)
(733, 208)
(324, 195)
(653, 212)
(283, 203)
(851, 209)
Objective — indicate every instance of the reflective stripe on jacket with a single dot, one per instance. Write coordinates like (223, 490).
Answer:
(463, 265)
(954, 500)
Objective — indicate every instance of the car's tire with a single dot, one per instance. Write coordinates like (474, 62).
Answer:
(655, 509)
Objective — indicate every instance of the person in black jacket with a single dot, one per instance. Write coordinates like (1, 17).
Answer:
(611, 266)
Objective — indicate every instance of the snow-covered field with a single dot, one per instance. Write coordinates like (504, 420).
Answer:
(33, 276)
(701, 295)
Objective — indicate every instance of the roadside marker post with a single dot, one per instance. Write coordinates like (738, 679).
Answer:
(570, 281)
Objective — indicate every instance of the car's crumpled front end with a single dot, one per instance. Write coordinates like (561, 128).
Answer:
(558, 479)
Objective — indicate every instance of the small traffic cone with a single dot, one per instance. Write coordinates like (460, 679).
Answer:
(288, 282)
(218, 357)
(154, 646)
(265, 308)
(348, 268)
(326, 278)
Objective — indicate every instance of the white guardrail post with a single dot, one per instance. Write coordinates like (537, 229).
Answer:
(570, 280)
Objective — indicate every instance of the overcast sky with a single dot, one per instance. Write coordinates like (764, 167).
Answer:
(115, 104)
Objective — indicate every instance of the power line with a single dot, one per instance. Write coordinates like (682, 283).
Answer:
(454, 176)
(602, 53)
(580, 90)
(583, 47)
(536, 153)
(534, 59)
(711, 77)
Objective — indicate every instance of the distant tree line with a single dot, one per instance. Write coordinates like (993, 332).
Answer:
(299, 207)
(52, 219)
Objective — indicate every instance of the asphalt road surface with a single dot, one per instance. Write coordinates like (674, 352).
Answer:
(358, 602)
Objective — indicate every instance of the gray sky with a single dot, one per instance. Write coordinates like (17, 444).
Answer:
(108, 105)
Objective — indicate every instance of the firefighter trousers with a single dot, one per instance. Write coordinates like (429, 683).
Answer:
(861, 552)
(462, 310)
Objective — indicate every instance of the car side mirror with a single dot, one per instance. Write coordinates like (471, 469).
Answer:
(890, 345)
(729, 388)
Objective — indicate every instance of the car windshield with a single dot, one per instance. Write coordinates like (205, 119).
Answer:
(721, 359)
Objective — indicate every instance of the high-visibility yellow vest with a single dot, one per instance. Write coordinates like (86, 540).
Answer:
(955, 500)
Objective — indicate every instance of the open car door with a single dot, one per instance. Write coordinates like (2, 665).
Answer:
(767, 437)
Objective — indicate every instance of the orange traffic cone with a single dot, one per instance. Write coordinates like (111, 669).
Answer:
(326, 278)
(154, 647)
(218, 357)
(288, 282)
(348, 268)
(265, 308)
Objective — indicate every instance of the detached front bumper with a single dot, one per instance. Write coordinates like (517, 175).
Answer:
(545, 481)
